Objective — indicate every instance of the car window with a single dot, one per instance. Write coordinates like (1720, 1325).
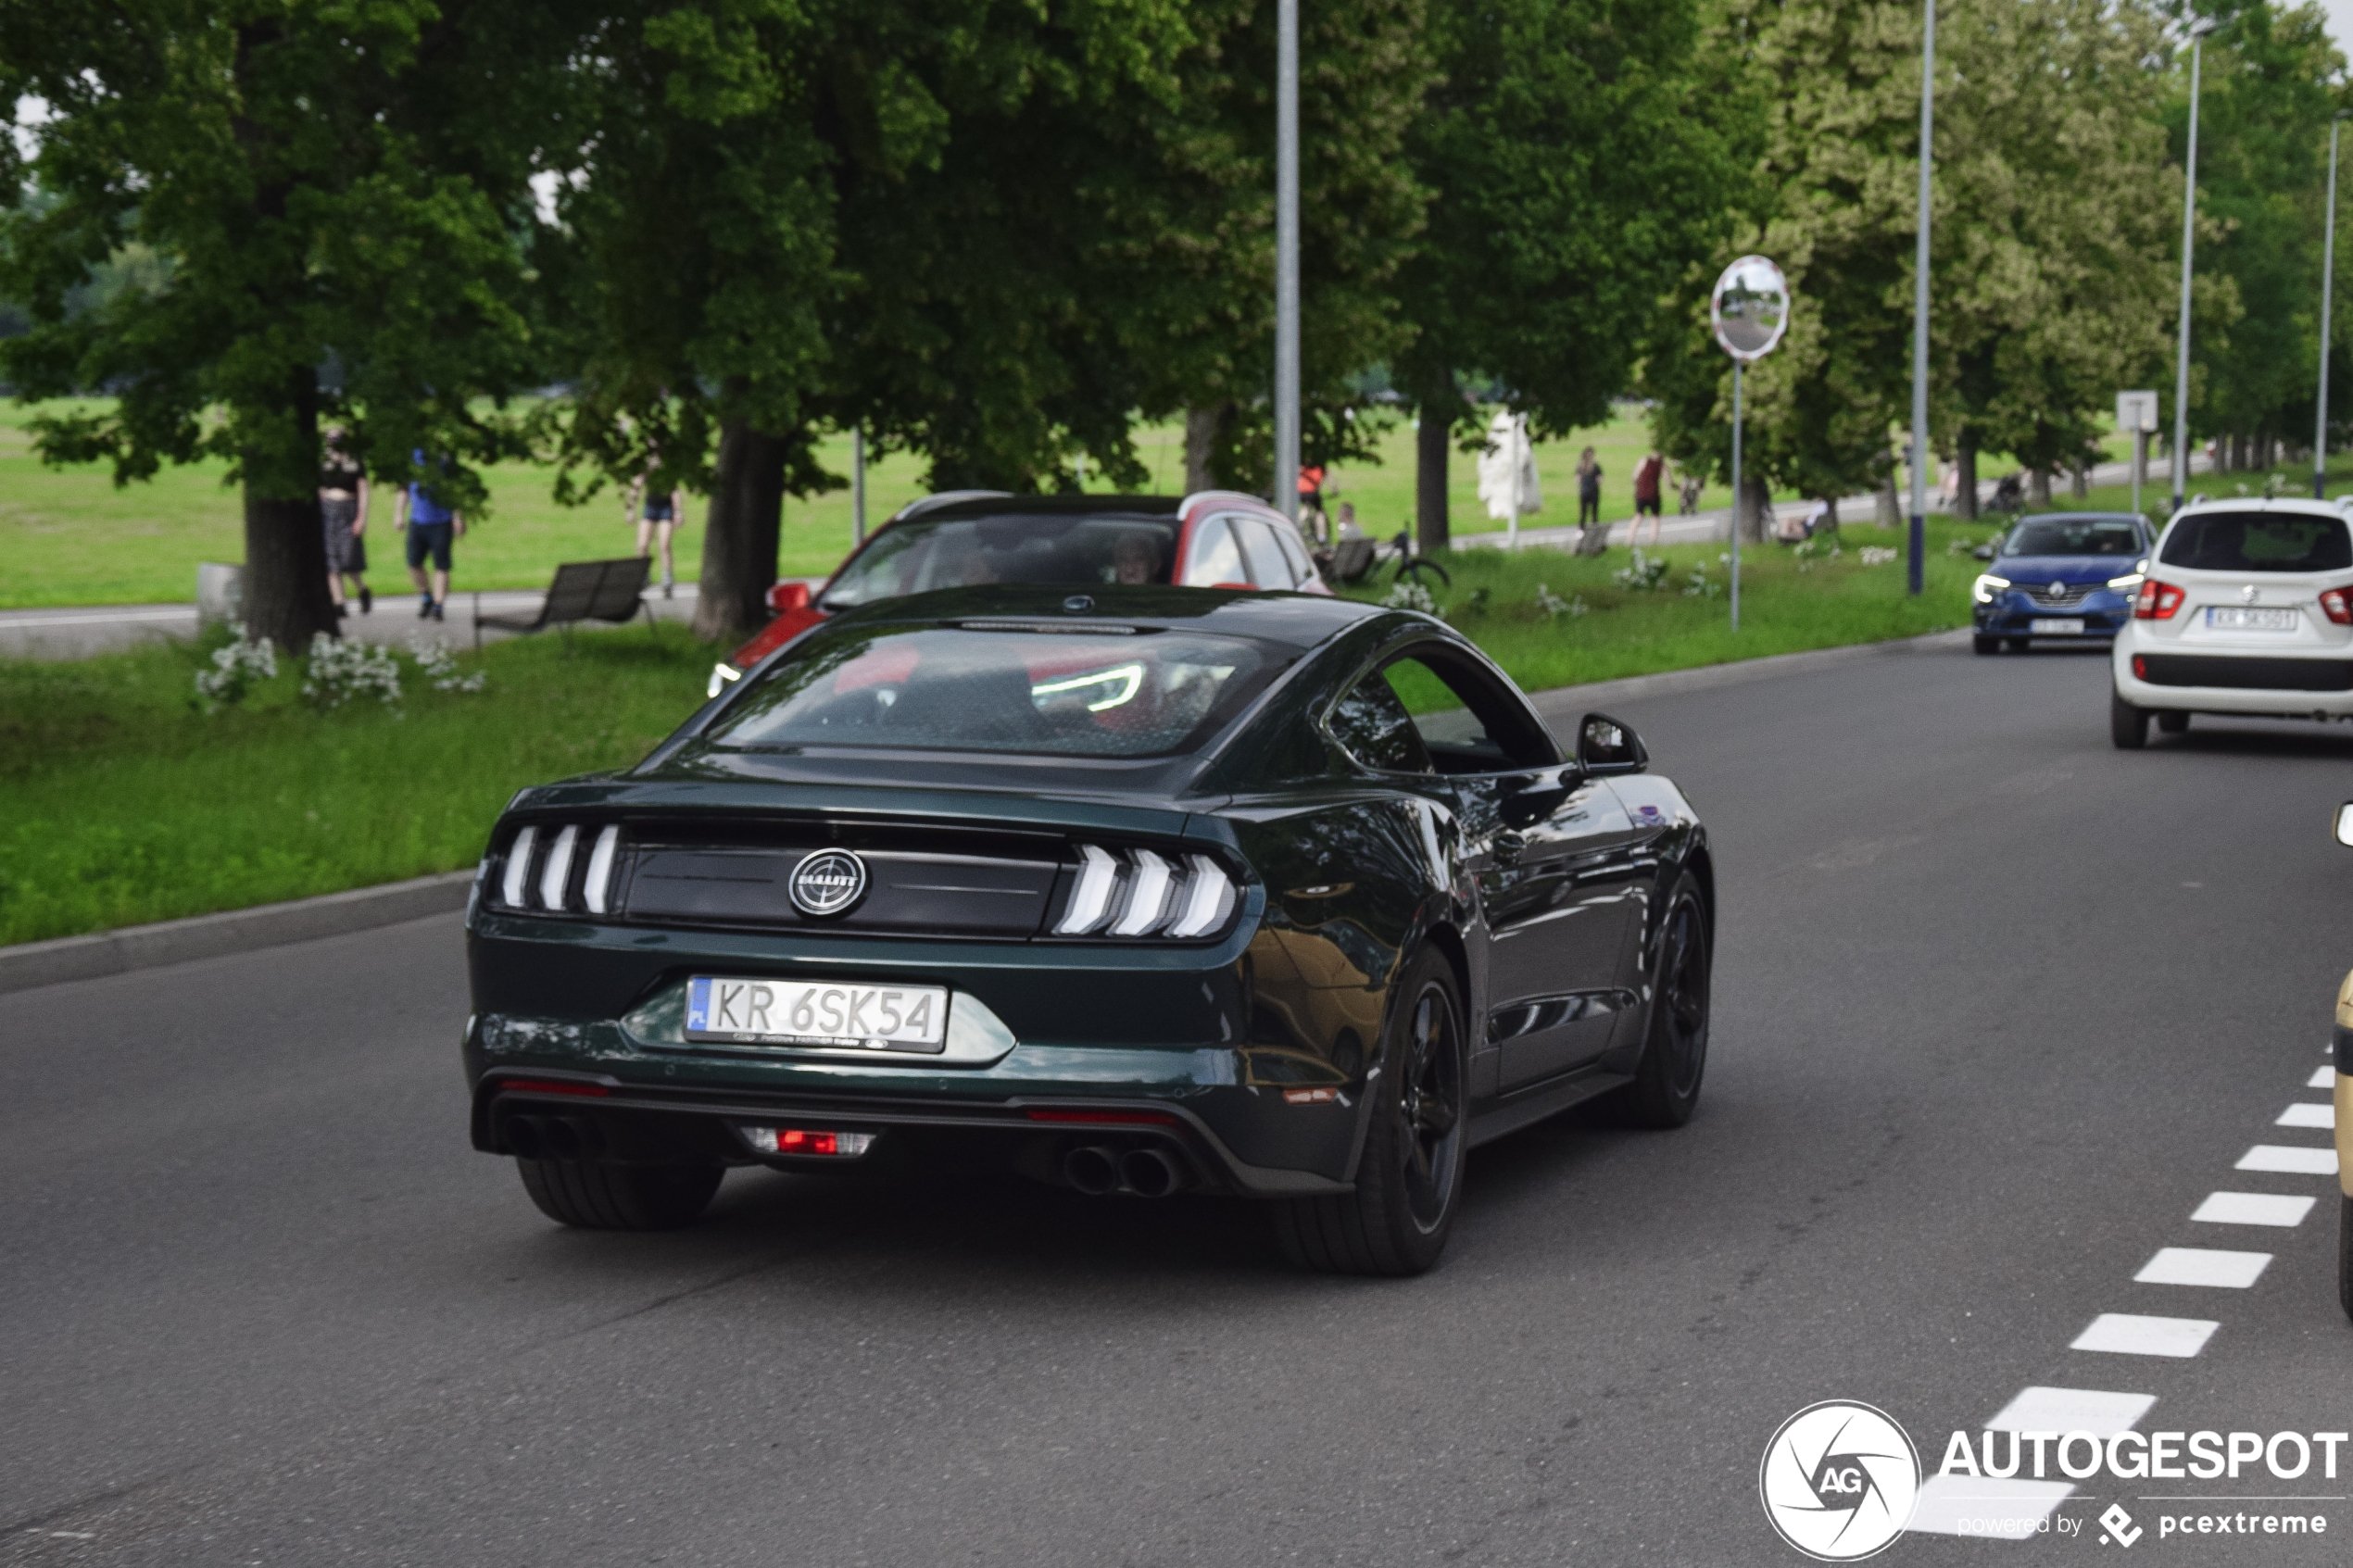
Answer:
(922, 554)
(1215, 558)
(1269, 567)
(1467, 721)
(2229, 541)
(1371, 725)
(1303, 569)
(1059, 694)
(2075, 537)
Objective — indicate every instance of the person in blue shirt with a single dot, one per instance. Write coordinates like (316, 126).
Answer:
(431, 527)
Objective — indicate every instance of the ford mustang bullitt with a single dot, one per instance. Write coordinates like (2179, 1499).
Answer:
(1138, 891)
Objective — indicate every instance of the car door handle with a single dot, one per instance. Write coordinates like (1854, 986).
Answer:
(1510, 845)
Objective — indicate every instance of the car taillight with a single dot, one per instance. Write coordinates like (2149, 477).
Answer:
(551, 853)
(1145, 894)
(2337, 607)
(2158, 601)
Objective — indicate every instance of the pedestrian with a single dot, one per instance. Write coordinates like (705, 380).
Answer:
(658, 514)
(1592, 534)
(1690, 493)
(1311, 500)
(431, 528)
(343, 515)
(1647, 477)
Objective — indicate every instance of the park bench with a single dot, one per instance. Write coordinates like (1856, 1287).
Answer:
(583, 590)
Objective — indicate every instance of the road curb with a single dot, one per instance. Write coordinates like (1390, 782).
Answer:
(1737, 672)
(33, 964)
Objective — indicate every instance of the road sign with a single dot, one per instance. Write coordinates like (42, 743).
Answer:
(2136, 411)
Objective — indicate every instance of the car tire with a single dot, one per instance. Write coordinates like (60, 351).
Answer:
(2128, 726)
(1409, 1178)
(1982, 644)
(1666, 1088)
(591, 1194)
(2345, 1253)
(2173, 723)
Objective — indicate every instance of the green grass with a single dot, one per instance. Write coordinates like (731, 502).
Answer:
(127, 806)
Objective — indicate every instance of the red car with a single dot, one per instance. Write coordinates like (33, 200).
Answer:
(1209, 539)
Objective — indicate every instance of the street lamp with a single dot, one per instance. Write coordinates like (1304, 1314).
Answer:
(1917, 566)
(2198, 30)
(2328, 278)
(1287, 257)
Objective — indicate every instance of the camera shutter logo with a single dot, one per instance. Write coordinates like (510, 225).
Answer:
(828, 882)
(1839, 1480)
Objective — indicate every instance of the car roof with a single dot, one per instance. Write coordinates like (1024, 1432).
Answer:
(1156, 506)
(1300, 620)
(2305, 506)
(2081, 517)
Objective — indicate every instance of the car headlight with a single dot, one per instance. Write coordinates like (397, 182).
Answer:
(2128, 584)
(721, 674)
(1987, 586)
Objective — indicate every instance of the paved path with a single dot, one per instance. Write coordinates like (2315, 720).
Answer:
(2000, 1010)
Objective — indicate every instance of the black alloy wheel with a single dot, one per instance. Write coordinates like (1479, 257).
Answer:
(1409, 1178)
(2127, 726)
(595, 1195)
(1666, 1088)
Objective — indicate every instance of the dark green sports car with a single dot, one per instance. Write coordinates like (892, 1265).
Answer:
(1139, 891)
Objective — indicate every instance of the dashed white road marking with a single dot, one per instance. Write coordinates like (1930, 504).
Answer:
(2288, 1160)
(2252, 1208)
(2128, 1333)
(2203, 1265)
(2322, 1078)
(2304, 1114)
(2072, 1409)
(1970, 1505)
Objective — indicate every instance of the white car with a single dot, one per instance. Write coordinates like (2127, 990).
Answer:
(2247, 607)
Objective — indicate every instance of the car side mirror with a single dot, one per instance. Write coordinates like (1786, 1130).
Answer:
(1606, 746)
(1984, 552)
(2345, 824)
(784, 596)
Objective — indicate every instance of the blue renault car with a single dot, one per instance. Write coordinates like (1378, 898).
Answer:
(2063, 577)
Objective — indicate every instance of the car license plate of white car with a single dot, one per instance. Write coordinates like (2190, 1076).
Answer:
(2231, 618)
(2057, 626)
(820, 1014)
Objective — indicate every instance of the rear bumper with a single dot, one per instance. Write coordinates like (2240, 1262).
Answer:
(2270, 686)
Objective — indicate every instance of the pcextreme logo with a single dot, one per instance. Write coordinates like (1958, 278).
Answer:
(1839, 1479)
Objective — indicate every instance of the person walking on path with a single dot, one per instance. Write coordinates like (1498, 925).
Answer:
(1647, 478)
(343, 514)
(431, 528)
(658, 517)
(1592, 537)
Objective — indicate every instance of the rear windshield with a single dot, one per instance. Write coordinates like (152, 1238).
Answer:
(1055, 694)
(2054, 536)
(920, 555)
(2219, 541)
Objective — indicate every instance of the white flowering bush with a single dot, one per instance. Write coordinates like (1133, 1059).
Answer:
(1643, 576)
(1410, 595)
(439, 667)
(340, 670)
(1876, 555)
(1555, 607)
(1700, 585)
(235, 671)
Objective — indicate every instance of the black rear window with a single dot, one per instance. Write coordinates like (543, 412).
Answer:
(925, 554)
(1080, 693)
(2072, 536)
(2224, 541)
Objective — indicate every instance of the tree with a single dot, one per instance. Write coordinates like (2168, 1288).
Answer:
(323, 185)
(1575, 157)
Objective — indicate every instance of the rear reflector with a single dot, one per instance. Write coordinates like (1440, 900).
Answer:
(809, 1140)
(550, 1086)
(1106, 1118)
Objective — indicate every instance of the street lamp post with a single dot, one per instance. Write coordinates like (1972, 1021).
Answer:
(2198, 30)
(1916, 567)
(2328, 279)
(1287, 257)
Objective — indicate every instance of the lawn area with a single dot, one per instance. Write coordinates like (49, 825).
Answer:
(125, 805)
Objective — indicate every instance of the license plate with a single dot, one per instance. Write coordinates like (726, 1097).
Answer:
(830, 1014)
(2230, 618)
(2057, 626)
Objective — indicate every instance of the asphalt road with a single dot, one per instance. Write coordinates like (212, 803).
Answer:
(1998, 1008)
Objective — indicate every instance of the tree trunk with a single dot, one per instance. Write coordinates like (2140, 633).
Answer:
(285, 588)
(1890, 509)
(746, 517)
(1433, 444)
(1829, 518)
(1965, 464)
(1750, 509)
(2079, 484)
(1203, 428)
(2038, 486)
